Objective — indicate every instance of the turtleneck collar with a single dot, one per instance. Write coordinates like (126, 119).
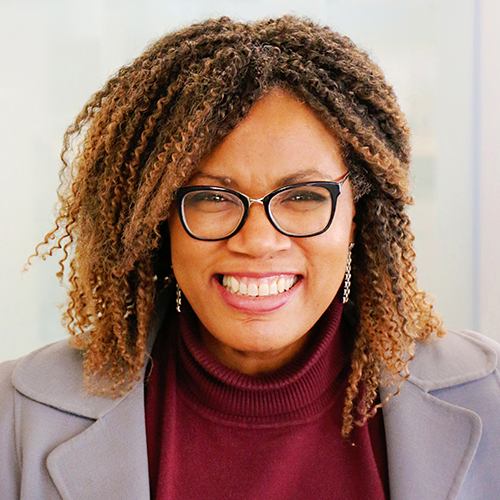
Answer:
(302, 388)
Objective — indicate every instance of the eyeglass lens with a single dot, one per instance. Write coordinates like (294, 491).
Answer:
(298, 211)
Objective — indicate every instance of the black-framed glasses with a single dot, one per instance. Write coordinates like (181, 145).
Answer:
(212, 213)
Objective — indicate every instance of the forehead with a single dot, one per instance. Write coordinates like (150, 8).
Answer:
(280, 138)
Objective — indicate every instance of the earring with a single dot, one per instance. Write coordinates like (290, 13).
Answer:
(347, 279)
(178, 299)
(130, 306)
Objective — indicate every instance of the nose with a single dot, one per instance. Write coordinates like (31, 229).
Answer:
(258, 237)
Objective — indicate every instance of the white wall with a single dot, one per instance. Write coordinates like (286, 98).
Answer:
(488, 168)
(55, 53)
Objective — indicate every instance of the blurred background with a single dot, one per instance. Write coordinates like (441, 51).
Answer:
(442, 57)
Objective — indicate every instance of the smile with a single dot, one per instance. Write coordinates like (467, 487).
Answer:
(258, 287)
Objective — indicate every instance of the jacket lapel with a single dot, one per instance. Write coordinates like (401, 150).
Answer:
(430, 442)
(430, 445)
(109, 459)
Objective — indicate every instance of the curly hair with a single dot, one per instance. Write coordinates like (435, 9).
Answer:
(141, 137)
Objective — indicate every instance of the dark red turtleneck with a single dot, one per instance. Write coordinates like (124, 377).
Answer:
(214, 433)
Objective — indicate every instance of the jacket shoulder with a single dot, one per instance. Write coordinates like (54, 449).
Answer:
(53, 375)
(6, 389)
(49, 371)
(6, 369)
(9, 453)
(457, 358)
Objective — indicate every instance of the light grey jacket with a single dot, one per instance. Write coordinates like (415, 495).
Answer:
(442, 430)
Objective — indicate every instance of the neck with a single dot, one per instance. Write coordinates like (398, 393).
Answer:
(253, 363)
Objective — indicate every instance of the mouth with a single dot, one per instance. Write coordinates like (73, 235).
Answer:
(258, 287)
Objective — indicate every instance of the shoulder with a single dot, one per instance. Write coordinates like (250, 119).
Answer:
(457, 358)
(9, 453)
(49, 370)
(53, 376)
(43, 372)
(6, 389)
(6, 369)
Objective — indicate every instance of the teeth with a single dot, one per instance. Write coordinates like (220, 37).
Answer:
(258, 287)
(235, 286)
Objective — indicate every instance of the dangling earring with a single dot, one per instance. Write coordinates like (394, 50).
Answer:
(178, 299)
(347, 278)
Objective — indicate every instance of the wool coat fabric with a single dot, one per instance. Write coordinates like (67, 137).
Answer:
(442, 429)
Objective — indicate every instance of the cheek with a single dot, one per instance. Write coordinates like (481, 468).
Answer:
(175, 232)
(192, 260)
(328, 262)
(327, 258)
(180, 249)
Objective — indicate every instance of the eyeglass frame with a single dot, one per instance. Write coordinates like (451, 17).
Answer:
(330, 186)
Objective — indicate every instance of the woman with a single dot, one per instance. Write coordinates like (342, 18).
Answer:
(243, 305)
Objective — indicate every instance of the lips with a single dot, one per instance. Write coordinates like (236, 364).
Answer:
(259, 303)
(258, 286)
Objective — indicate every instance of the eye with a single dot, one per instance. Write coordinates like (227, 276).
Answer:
(211, 201)
(305, 196)
(207, 197)
(303, 199)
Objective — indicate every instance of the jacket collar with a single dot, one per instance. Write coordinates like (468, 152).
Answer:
(430, 442)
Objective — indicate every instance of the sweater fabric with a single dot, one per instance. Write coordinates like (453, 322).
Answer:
(215, 433)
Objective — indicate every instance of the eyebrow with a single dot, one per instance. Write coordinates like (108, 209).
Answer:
(301, 175)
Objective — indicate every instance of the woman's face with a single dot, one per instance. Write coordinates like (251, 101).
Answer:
(280, 142)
